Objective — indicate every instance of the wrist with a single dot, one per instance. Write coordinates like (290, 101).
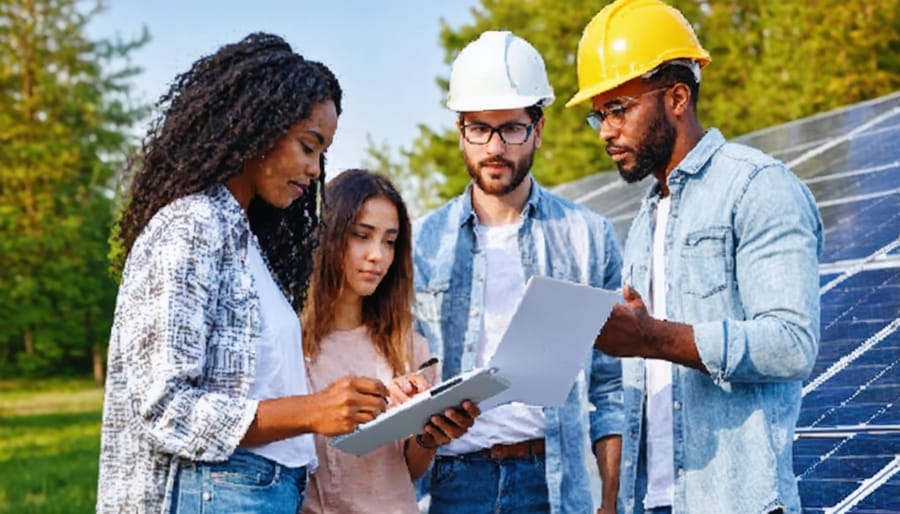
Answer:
(420, 441)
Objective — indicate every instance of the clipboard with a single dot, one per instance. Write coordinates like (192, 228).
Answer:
(539, 357)
(411, 417)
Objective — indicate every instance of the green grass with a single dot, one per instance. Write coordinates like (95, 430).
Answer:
(49, 443)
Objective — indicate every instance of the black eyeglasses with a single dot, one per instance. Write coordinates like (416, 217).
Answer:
(513, 133)
(615, 115)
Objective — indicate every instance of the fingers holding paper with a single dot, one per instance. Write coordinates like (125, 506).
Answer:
(451, 424)
(626, 332)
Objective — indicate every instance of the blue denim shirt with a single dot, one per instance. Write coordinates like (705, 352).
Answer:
(742, 245)
(557, 239)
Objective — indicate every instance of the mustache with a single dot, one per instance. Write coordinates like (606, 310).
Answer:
(495, 160)
(611, 149)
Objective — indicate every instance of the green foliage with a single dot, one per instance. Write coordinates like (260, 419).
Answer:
(49, 447)
(63, 118)
(772, 62)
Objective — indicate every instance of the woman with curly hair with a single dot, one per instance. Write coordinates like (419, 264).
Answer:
(359, 320)
(206, 405)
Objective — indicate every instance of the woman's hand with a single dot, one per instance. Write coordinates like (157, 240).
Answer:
(451, 424)
(346, 403)
(404, 387)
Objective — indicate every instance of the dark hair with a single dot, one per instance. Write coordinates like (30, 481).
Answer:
(535, 112)
(672, 73)
(387, 312)
(230, 107)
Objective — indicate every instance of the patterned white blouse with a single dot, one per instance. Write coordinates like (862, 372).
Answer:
(181, 352)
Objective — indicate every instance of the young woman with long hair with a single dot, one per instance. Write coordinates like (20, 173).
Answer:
(359, 321)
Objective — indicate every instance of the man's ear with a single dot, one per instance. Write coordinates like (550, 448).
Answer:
(539, 132)
(681, 98)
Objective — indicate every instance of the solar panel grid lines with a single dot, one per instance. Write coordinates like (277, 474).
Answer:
(847, 442)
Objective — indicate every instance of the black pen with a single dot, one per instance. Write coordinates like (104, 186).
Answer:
(427, 364)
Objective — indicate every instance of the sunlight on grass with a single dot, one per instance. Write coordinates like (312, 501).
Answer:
(49, 444)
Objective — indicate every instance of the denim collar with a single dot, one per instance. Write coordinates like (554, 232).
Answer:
(695, 160)
(467, 213)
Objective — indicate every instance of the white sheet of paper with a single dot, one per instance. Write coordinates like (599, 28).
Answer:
(548, 340)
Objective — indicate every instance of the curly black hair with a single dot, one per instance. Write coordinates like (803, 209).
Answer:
(230, 107)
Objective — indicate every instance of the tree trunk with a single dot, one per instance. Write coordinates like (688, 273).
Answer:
(98, 364)
(29, 342)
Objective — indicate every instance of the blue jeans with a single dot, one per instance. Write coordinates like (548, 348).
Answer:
(246, 483)
(477, 484)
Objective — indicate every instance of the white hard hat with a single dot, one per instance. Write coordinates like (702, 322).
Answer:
(499, 70)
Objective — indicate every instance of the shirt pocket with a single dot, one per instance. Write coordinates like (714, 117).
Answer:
(707, 261)
(430, 300)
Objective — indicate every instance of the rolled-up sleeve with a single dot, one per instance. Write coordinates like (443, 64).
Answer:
(778, 240)
(173, 290)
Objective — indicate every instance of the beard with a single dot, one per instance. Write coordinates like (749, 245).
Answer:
(519, 169)
(655, 152)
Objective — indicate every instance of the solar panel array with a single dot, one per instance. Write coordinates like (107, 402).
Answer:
(847, 452)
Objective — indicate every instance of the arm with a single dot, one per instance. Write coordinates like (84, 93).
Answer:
(778, 234)
(440, 430)
(608, 451)
(778, 239)
(174, 300)
(171, 287)
(336, 410)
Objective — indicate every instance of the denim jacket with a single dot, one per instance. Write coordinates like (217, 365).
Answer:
(557, 239)
(741, 253)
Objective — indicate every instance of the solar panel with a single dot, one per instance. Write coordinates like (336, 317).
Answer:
(847, 452)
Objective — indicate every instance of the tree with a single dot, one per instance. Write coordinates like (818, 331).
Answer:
(772, 62)
(63, 119)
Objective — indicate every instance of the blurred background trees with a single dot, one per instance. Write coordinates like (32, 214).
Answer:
(64, 117)
(772, 62)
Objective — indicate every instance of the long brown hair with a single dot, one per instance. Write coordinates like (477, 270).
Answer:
(387, 312)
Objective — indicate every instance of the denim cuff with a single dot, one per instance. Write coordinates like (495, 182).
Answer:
(712, 342)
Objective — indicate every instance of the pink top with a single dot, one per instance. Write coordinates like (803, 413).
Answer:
(378, 481)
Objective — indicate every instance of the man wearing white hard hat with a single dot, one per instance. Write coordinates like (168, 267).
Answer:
(472, 258)
(720, 323)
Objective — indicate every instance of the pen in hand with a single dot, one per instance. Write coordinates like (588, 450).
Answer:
(427, 364)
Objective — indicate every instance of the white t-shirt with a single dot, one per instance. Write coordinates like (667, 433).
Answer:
(503, 289)
(660, 458)
(280, 369)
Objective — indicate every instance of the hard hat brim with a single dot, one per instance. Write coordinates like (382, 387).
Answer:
(497, 103)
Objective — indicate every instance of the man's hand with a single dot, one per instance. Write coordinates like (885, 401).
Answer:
(630, 331)
(627, 331)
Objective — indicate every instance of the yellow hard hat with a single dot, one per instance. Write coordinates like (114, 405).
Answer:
(630, 38)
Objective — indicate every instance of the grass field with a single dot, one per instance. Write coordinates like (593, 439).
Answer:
(49, 442)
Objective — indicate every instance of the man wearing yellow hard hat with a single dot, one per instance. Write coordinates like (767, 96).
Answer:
(720, 322)
(472, 259)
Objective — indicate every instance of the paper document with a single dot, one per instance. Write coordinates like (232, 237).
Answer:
(548, 341)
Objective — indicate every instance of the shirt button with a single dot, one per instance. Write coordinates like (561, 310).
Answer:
(469, 347)
(680, 472)
(676, 406)
(628, 463)
(207, 496)
(473, 313)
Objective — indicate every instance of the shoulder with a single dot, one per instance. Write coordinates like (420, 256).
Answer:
(553, 206)
(438, 219)
(195, 223)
